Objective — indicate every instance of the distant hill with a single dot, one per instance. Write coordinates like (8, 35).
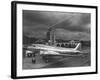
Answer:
(28, 40)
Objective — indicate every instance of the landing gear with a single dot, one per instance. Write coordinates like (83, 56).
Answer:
(33, 60)
(46, 61)
(45, 58)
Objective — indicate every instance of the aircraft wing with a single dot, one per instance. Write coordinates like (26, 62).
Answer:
(53, 53)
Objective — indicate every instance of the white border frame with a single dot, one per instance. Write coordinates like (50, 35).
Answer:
(35, 72)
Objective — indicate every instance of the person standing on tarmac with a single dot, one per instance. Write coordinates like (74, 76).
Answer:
(33, 58)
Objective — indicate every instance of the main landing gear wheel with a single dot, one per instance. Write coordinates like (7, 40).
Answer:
(33, 60)
(47, 61)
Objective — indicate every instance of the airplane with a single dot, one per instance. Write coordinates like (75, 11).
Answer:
(54, 50)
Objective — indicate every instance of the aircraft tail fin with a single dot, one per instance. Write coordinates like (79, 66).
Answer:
(78, 47)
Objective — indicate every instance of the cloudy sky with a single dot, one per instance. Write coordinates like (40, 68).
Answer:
(68, 25)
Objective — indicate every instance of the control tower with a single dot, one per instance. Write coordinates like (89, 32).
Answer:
(51, 36)
(51, 33)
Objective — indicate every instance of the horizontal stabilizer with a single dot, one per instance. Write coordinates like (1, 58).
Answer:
(78, 47)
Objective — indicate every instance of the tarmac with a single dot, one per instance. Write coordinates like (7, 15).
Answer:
(57, 62)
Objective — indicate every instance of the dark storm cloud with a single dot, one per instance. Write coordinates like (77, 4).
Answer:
(67, 35)
(38, 22)
(79, 23)
(40, 17)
